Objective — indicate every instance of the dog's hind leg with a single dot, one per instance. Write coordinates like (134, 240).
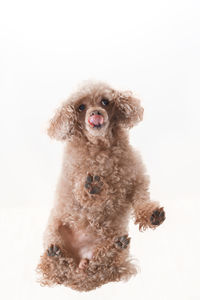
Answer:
(55, 269)
(110, 262)
(57, 262)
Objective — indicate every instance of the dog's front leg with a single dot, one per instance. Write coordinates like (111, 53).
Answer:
(147, 213)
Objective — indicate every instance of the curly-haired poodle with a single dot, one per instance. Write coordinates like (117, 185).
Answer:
(102, 185)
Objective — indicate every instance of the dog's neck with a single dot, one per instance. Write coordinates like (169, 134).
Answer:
(115, 137)
(102, 141)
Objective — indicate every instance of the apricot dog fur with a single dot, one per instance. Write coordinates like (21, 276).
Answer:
(103, 184)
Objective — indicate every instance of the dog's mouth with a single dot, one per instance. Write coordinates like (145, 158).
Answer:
(96, 121)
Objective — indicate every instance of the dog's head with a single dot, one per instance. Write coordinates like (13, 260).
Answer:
(94, 110)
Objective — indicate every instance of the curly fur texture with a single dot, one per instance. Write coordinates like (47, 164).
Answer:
(103, 184)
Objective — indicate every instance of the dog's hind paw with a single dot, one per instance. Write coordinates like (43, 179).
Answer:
(53, 250)
(93, 184)
(122, 242)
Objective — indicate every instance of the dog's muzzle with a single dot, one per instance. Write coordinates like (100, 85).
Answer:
(96, 119)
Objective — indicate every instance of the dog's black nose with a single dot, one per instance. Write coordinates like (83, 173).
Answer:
(95, 112)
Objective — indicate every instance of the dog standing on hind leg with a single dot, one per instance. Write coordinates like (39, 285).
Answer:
(103, 184)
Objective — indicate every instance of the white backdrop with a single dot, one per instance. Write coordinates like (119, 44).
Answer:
(150, 47)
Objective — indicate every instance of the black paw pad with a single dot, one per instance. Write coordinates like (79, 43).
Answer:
(122, 242)
(158, 216)
(53, 250)
(93, 184)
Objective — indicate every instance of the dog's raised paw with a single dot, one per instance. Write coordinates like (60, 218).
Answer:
(122, 242)
(53, 250)
(158, 216)
(93, 184)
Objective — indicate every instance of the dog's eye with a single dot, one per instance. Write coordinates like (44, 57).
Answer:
(81, 107)
(104, 101)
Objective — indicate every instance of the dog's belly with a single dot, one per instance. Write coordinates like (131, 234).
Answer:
(84, 243)
(80, 243)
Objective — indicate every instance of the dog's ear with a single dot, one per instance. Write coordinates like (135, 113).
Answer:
(129, 111)
(63, 124)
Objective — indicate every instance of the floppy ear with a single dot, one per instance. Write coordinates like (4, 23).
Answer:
(129, 110)
(63, 124)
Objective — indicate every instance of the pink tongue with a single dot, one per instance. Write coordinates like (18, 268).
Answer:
(96, 120)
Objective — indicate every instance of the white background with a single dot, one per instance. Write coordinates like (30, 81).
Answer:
(150, 47)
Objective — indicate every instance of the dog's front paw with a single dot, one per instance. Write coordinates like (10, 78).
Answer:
(53, 250)
(93, 184)
(157, 217)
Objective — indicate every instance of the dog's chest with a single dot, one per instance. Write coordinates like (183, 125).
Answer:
(107, 166)
(102, 178)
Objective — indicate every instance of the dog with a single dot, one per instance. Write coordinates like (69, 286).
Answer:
(103, 184)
